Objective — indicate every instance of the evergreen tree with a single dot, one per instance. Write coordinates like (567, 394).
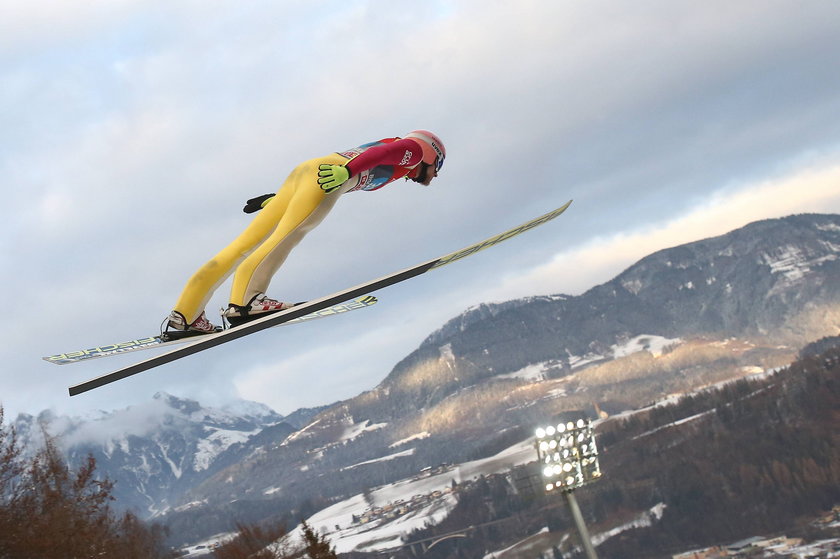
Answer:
(317, 547)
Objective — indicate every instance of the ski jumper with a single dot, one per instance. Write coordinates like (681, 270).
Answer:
(298, 207)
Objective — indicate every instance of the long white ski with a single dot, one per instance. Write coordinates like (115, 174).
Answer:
(212, 340)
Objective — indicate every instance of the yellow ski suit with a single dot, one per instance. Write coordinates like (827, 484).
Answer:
(298, 207)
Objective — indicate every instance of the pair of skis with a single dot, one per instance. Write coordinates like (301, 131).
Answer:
(153, 342)
(342, 301)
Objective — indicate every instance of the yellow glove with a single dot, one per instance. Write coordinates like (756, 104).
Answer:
(330, 177)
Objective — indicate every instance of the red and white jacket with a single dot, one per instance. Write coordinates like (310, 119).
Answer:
(382, 162)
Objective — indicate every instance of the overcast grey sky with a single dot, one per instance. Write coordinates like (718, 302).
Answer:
(132, 131)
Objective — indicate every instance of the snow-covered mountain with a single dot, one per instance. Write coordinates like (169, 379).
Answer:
(678, 320)
(772, 276)
(157, 450)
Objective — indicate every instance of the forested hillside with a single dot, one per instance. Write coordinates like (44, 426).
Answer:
(750, 457)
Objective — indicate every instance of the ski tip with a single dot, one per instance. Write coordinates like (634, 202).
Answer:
(367, 300)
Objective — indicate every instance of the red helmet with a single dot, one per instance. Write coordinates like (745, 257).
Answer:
(434, 151)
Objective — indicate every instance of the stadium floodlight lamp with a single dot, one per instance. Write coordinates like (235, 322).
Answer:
(569, 455)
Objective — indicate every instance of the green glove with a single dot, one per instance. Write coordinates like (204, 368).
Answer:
(330, 177)
(258, 203)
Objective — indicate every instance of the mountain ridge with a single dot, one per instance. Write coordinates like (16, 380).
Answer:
(714, 309)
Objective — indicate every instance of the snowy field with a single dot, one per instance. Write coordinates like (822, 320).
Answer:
(381, 535)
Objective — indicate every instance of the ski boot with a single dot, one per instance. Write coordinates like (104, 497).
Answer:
(257, 307)
(180, 329)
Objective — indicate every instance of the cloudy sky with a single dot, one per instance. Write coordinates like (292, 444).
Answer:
(132, 131)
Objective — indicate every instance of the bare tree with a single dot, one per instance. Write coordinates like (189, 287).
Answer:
(49, 511)
(255, 542)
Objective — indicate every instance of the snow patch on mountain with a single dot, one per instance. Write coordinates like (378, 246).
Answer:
(674, 424)
(534, 544)
(250, 410)
(215, 443)
(634, 286)
(644, 520)
(418, 436)
(828, 227)
(793, 263)
(302, 433)
(654, 344)
(577, 361)
(535, 372)
(176, 468)
(394, 456)
(356, 429)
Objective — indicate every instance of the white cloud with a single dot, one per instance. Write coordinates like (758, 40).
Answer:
(137, 420)
(812, 190)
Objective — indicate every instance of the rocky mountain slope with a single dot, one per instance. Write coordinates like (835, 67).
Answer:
(160, 449)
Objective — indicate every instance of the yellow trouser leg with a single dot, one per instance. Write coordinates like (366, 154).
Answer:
(299, 206)
(212, 274)
(306, 208)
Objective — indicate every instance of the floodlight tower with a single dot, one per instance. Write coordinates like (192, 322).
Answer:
(569, 456)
